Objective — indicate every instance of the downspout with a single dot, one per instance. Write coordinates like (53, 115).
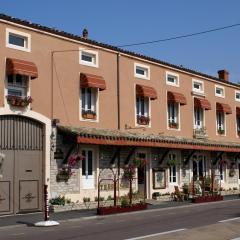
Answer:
(118, 109)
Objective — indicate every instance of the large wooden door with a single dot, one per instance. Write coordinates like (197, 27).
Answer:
(21, 167)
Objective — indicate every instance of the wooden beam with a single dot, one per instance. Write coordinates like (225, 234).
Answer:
(163, 156)
(115, 155)
(189, 156)
(131, 152)
(218, 157)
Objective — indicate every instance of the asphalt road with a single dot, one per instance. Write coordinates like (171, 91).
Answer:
(154, 224)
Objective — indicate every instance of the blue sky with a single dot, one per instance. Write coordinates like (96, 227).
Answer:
(129, 21)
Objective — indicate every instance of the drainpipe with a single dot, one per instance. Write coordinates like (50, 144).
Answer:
(118, 108)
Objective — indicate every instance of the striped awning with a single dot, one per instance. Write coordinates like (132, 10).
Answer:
(92, 81)
(238, 111)
(176, 98)
(17, 66)
(223, 107)
(146, 91)
(202, 103)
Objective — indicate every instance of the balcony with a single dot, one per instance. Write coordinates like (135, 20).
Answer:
(200, 133)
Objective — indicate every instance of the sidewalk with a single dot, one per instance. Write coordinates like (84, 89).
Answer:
(30, 219)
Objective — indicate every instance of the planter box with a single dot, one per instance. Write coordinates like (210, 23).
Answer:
(89, 116)
(118, 209)
(207, 199)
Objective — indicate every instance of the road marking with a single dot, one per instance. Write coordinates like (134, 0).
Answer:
(236, 238)
(229, 220)
(156, 234)
(17, 234)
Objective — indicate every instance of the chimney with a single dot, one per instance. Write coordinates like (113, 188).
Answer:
(85, 33)
(223, 74)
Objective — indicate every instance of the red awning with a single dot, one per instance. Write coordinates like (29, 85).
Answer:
(92, 81)
(223, 107)
(176, 98)
(146, 91)
(17, 66)
(238, 111)
(202, 103)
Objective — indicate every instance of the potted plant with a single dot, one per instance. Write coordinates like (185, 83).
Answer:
(143, 120)
(221, 131)
(88, 114)
(173, 124)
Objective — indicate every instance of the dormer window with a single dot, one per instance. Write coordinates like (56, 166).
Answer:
(18, 40)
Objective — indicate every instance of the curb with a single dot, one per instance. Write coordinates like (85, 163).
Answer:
(130, 213)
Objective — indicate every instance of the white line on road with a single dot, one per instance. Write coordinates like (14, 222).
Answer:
(229, 220)
(156, 234)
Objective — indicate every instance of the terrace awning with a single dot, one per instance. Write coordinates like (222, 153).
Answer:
(17, 66)
(92, 81)
(146, 91)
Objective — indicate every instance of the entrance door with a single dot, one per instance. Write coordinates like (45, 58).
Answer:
(141, 173)
(87, 169)
(21, 148)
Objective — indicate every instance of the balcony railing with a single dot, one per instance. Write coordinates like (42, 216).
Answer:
(200, 133)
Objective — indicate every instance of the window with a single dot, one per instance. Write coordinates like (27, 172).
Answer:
(89, 58)
(199, 166)
(238, 125)
(197, 86)
(18, 40)
(172, 168)
(88, 181)
(219, 91)
(87, 167)
(88, 101)
(172, 79)
(142, 110)
(237, 96)
(17, 85)
(221, 123)
(198, 118)
(141, 71)
(173, 115)
(222, 172)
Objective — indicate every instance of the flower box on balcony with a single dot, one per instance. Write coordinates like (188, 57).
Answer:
(119, 209)
(17, 101)
(89, 115)
(200, 133)
(142, 120)
(221, 131)
(173, 125)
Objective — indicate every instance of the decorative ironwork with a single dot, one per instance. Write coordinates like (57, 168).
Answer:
(2, 199)
(200, 133)
(29, 197)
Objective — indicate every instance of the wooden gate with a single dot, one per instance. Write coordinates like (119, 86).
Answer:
(21, 165)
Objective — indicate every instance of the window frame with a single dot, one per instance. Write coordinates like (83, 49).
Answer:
(147, 110)
(202, 114)
(195, 81)
(96, 110)
(87, 63)
(219, 95)
(144, 68)
(21, 88)
(176, 116)
(25, 36)
(171, 175)
(223, 124)
(237, 92)
(175, 76)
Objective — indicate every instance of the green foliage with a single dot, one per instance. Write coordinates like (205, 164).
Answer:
(109, 198)
(60, 200)
(100, 199)
(124, 201)
(86, 199)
